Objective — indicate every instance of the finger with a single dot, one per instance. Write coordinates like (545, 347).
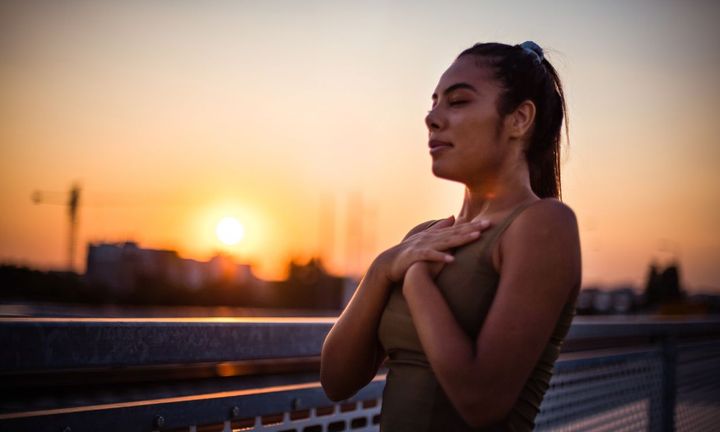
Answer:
(462, 228)
(455, 240)
(483, 224)
(447, 237)
(443, 223)
(434, 255)
(475, 225)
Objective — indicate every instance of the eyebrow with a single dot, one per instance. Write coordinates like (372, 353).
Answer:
(454, 87)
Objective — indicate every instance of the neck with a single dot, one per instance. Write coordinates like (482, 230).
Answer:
(495, 195)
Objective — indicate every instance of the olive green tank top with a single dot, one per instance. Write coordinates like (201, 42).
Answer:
(413, 400)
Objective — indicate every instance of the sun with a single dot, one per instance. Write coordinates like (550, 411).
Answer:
(229, 231)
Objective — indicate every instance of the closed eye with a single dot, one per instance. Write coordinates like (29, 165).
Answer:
(457, 102)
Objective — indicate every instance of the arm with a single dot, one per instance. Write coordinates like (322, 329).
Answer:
(540, 270)
(351, 353)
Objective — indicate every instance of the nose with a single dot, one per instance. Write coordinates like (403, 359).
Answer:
(431, 120)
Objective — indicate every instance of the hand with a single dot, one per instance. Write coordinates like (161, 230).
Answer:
(430, 245)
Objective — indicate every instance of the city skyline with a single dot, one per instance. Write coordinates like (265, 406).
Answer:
(286, 116)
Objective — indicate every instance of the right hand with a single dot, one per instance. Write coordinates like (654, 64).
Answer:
(431, 244)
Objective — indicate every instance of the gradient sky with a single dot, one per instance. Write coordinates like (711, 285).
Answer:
(291, 115)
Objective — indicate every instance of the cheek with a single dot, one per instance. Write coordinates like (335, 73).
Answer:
(480, 120)
(477, 133)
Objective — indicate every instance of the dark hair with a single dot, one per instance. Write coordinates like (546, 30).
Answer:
(525, 74)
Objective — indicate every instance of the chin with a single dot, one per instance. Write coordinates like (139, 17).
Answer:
(442, 171)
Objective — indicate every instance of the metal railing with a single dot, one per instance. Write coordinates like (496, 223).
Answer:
(631, 373)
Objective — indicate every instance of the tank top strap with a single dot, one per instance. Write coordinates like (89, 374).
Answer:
(495, 232)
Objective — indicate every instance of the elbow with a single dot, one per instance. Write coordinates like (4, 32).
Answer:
(332, 391)
(335, 396)
(328, 380)
(333, 384)
(342, 377)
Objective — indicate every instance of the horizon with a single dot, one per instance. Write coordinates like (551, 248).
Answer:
(638, 288)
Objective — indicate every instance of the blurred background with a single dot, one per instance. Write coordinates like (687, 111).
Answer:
(224, 157)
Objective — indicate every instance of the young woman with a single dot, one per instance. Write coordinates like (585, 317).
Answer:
(472, 311)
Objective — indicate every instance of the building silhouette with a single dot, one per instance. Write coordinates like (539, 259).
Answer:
(157, 276)
(663, 285)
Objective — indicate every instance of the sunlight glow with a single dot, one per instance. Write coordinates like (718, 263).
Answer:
(229, 231)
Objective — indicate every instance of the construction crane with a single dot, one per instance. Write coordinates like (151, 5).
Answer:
(72, 201)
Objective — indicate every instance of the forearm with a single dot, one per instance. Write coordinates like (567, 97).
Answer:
(348, 359)
(446, 346)
(449, 350)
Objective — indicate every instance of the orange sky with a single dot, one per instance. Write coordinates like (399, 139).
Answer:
(173, 115)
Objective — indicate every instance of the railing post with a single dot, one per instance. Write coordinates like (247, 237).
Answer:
(666, 422)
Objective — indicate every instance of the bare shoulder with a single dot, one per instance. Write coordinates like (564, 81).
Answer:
(544, 229)
(544, 216)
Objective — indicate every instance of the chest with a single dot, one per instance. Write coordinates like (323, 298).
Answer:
(469, 284)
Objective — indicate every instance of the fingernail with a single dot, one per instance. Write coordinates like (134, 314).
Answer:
(449, 258)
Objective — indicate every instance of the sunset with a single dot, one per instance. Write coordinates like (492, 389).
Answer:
(204, 207)
(170, 115)
(229, 231)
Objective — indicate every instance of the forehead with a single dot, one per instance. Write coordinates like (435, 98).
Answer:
(470, 70)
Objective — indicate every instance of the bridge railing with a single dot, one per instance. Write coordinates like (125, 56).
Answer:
(631, 373)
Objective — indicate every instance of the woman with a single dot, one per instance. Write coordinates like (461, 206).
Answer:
(472, 311)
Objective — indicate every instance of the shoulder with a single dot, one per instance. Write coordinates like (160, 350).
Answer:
(547, 214)
(541, 249)
(546, 232)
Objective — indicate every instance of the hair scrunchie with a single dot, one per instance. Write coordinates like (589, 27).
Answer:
(534, 49)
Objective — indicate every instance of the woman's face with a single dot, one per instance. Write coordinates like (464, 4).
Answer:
(465, 129)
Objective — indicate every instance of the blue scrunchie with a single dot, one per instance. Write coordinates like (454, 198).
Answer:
(531, 47)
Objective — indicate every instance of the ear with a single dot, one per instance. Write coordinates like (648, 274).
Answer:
(520, 121)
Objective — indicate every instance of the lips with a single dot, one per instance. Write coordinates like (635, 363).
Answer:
(437, 146)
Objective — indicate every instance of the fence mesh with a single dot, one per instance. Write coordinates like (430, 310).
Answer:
(599, 392)
(612, 392)
(666, 386)
(697, 406)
